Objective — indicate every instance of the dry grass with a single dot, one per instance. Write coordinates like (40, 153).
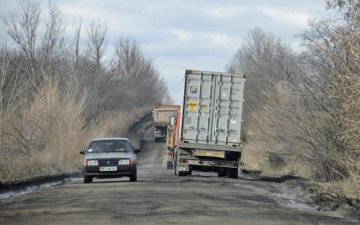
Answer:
(116, 124)
(284, 137)
(45, 139)
(303, 109)
(56, 97)
(257, 157)
(287, 137)
(252, 158)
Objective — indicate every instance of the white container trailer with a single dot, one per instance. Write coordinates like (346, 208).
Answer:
(211, 123)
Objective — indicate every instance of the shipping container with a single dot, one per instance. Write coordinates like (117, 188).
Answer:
(211, 122)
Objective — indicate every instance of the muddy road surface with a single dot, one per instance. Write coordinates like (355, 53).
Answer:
(162, 198)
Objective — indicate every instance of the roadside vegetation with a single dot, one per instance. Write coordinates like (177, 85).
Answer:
(302, 113)
(58, 91)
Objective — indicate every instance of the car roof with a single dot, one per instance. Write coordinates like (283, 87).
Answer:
(110, 138)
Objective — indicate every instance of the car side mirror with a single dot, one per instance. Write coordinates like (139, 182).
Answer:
(82, 152)
(136, 151)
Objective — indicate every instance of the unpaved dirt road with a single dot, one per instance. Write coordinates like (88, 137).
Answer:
(162, 198)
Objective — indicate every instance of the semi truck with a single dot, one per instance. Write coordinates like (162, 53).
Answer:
(161, 114)
(210, 123)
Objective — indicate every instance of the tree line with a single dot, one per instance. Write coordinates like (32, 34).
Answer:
(303, 107)
(61, 86)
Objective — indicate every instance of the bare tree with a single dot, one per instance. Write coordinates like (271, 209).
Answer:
(138, 79)
(40, 43)
(261, 58)
(12, 87)
(306, 106)
(50, 91)
(96, 46)
(23, 27)
(283, 113)
(53, 47)
(77, 47)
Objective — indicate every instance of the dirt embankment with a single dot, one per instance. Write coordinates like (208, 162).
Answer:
(333, 201)
(326, 201)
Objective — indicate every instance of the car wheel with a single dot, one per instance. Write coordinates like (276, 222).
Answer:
(87, 179)
(133, 177)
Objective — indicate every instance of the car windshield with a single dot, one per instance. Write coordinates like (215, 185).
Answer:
(109, 146)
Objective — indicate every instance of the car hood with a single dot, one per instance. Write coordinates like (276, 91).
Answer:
(109, 155)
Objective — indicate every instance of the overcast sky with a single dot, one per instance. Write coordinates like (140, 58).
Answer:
(193, 34)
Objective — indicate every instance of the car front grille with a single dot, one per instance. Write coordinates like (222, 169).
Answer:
(108, 162)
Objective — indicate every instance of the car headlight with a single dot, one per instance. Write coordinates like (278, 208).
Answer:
(92, 163)
(125, 162)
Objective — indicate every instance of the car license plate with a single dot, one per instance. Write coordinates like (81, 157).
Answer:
(108, 168)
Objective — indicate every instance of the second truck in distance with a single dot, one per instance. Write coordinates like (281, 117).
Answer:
(161, 114)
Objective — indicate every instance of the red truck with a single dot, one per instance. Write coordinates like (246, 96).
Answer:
(172, 136)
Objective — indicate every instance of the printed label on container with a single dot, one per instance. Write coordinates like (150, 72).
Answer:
(193, 89)
(203, 108)
(192, 106)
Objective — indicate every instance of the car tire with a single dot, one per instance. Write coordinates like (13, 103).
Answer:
(87, 179)
(133, 177)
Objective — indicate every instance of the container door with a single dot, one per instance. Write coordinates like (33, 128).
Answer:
(212, 112)
(197, 109)
(228, 109)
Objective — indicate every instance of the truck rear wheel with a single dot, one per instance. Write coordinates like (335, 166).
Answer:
(221, 172)
(182, 173)
(232, 173)
(190, 172)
